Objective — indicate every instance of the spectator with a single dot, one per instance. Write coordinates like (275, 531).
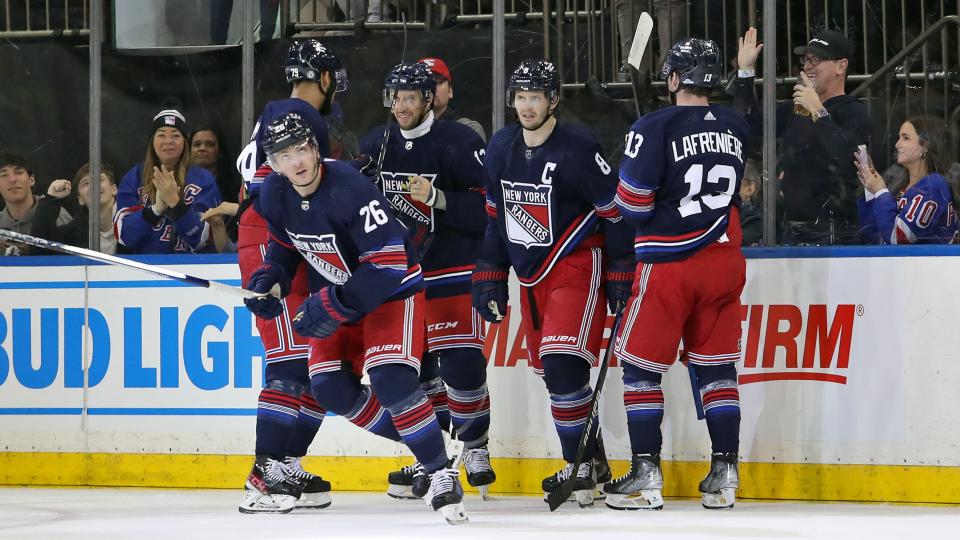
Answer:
(925, 210)
(819, 180)
(751, 219)
(442, 109)
(16, 189)
(59, 197)
(161, 199)
(205, 152)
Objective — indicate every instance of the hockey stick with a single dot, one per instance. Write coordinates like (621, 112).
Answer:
(640, 39)
(119, 261)
(694, 387)
(562, 493)
(393, 104)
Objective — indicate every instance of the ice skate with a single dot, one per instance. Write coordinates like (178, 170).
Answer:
(640, 488)
(267, 489)
(718, 490)
(584, 483)
(446, 495)
(480, 474)
(316, 490)
(408, 483)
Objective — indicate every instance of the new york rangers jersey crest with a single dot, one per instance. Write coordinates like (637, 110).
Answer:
(527, 213)
(396, 189)
(324, 256)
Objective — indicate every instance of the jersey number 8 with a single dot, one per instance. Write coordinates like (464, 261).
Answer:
(715, 199)
(373, 216)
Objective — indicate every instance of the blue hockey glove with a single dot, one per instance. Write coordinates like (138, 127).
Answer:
(262, 281)
(490, 292)
(619, 282)
(322, 313)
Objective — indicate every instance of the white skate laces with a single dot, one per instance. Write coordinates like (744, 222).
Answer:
(476, 460)
(295, 469)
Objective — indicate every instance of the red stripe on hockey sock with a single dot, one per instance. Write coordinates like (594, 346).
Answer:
(368, 414)
(307, 402)
(645, 397)
(721, 394)
(466, 407)
(412, 417)
(278, 398)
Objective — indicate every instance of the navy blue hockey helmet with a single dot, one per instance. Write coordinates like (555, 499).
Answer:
(532, 75)
(409, 77)
(288, 130)
(697, 62)
(308, 59)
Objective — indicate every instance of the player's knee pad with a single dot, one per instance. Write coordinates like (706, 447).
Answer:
(291, 371)
(429, 367)
(337, 391)
(717, 372)
(633, 375)
(565, 373)
(463, 368)
(393, 383)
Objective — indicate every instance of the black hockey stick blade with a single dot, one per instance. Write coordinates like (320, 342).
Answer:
(563, 492)
(120, 261)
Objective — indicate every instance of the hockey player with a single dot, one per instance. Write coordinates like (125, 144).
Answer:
(365, 309)
(549, 196)
(288, 417)
(679, 187)
(432, 174)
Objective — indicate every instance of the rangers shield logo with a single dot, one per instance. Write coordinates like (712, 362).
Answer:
(323, 255)
(396, 188)
(527, 213)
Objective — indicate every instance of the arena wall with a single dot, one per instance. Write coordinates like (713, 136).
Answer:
(848, 383)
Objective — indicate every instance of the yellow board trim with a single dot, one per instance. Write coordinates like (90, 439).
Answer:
(793, 481)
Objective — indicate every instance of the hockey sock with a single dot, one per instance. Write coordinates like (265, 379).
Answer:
(570, 412)
(721, 405)
(277, 412)
(399, 388)
(436, 392)
(341, 393)
(308, 422)
(470, 413)
(643, 399)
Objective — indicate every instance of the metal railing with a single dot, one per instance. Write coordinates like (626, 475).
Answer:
(26, 19)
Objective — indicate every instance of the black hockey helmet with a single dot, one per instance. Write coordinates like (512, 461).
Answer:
(409, 77)
(308, 59)
(697, 62)
(534, 74)
(288, 130)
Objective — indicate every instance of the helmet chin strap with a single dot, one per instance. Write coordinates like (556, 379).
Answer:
(327, 101)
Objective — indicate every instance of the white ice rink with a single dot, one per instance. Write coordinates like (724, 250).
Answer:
(138, 514)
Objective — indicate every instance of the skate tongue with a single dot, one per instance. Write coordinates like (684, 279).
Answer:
(455, 451)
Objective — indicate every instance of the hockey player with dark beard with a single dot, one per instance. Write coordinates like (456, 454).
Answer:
(431, 172)
(365, 312)
(679, 187)
(552, 218)
(287, 415)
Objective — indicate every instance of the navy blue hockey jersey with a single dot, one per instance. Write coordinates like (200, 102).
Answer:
(542, 202)
(345, 233)
(450, 155)
(922, 214)
(252, 162)
(186, 234)
(679, 178)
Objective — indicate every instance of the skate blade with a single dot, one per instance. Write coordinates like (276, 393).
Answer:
(645, 500)
(404, 493)
(267, 504)
(598, 495)
(584, 498)
(719, 501)
(484, 492)
(454, 514)
(313, 501)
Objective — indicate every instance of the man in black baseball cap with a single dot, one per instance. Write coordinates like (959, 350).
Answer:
(828, 45)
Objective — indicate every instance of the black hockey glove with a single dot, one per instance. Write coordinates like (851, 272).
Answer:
(322, 313)
(619, 278)
(263, 281)
(490, 291)
(368, 166)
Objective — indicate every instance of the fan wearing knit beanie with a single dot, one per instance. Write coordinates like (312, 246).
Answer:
(161, 199)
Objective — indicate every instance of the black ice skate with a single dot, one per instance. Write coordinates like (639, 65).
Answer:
(410, 482)
(584, 483)
(640, 489)
(267, 489)
(480, 474)
(446, 495)
(718, 490)
(316, 490)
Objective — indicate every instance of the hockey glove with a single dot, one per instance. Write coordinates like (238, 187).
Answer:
(619, 277)
(263, 281)
(490, 293)
(368, 166)
(322, 313)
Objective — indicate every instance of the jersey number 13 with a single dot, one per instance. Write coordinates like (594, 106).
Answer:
(715, 199)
